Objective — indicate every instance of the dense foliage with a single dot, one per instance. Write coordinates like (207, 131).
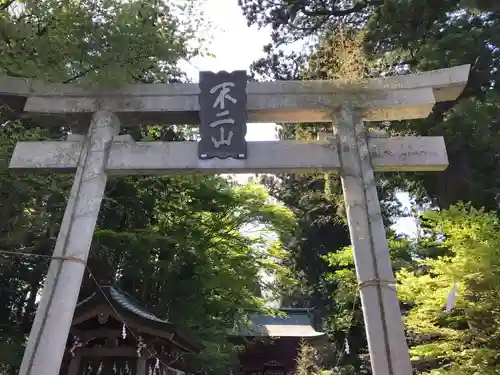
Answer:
(459, 245)
(398, 37)
(175, 243)
(464, 341)
(94, 41)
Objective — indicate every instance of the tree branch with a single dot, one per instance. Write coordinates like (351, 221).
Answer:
(357, 7)
(7, 4)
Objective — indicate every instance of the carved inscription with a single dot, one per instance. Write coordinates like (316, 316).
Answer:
(223, 115)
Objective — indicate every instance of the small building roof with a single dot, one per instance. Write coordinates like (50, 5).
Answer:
(124, 307)
(292, 322)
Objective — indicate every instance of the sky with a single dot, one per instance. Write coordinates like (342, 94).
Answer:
(236, 46)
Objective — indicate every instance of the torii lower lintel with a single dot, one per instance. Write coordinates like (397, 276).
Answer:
(129, 158)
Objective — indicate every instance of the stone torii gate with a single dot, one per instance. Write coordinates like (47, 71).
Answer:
(352, 151)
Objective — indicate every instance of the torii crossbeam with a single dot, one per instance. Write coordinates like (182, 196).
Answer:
(353, 152)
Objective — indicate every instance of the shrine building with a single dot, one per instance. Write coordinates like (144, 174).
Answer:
(272, 343)
(101, 344)
(112, 334)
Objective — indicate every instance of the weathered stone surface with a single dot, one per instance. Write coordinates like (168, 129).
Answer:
(391, 98)
(447, 84)
(388, 154)
(49, 333)
(382, 316)
(262, 107)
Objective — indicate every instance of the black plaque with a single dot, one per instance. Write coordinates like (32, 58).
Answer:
(223, 115)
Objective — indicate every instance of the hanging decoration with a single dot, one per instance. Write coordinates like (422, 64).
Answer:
(450, 302)
(76, 344)
(102, 318)
(154, 369)
(140, 345)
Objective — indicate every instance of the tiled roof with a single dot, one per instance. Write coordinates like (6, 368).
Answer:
(130, 304)
(295, 323)
(128, 307)
(124, 300)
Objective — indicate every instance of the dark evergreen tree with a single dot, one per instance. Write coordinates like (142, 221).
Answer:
(399, 37)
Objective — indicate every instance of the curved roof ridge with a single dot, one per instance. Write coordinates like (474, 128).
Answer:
(131, 304)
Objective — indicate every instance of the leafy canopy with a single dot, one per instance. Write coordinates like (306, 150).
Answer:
(466, 340)
(95, 41)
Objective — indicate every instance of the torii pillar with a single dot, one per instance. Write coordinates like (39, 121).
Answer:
(354, 153)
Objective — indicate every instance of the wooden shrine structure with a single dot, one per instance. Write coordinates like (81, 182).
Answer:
(112, 334)
(272, 343)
